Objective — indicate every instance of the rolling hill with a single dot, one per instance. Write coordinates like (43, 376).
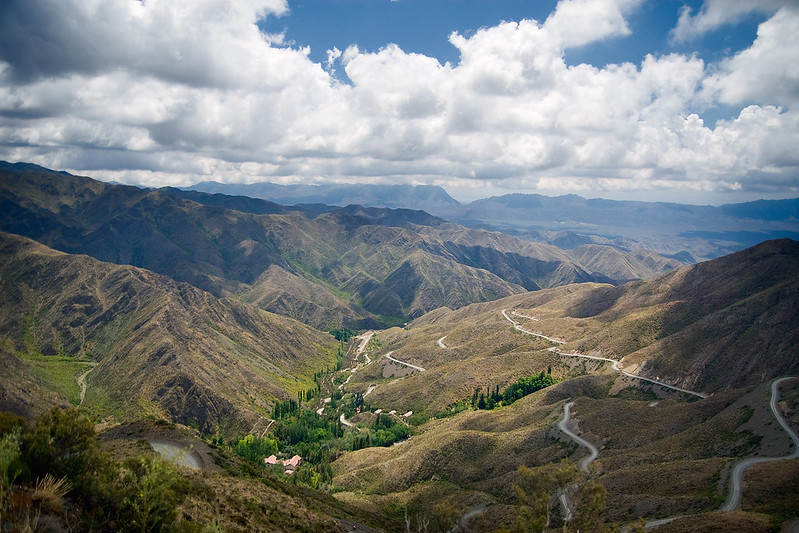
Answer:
(725, 324)
(164, 306)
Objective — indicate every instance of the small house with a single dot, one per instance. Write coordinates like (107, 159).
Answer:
(290, 465)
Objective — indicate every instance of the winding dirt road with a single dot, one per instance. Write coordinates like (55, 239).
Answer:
(534, 334)
(82, 382)
(735, 494)
(615, 363)
(563, 426)
(343, 420)
(388, 356)
(583, 463)
(736, 478)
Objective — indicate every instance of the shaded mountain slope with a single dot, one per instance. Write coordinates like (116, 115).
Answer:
(159, 346)
(360, 256)
(724, 323)
(23, 392)
(278, 291)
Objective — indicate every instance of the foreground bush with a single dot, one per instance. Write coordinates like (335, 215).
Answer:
(55, 472)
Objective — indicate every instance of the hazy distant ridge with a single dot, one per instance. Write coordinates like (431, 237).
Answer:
(696, 232)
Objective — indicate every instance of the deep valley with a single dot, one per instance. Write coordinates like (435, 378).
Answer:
(429, 375)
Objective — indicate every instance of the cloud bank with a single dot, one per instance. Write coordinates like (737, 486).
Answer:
(160, 92)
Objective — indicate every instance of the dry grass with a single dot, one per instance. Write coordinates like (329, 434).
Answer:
(656, 458)
(50, 492)
(773, 488)
(661, 453)
(477, 450)
(717, 522)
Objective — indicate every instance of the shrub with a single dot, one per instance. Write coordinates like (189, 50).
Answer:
(61, 444)
(154, 488)
(10, 467)
(9, 421)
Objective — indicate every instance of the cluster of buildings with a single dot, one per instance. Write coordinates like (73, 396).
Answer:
(290, 465)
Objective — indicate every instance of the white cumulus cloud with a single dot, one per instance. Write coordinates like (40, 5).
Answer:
(165, 92)
(717, 13)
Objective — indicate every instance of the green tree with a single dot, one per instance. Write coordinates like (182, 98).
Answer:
(445, 516)
(255, 448)
(539, 492)
(590, 503)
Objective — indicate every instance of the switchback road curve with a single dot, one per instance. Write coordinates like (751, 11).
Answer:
(736, 478)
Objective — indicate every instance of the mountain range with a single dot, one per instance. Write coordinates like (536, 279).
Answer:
(363, 266)
(202, 315)
(688, 232)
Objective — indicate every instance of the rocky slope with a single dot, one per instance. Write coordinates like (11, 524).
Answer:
(378, 263)
(159, 347)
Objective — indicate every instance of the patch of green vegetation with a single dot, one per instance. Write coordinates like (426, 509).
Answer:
(59, 458)
(373, 344)
(454, 409)
(59, 372)
(392, 321)
(515, 391)
(318, 440)
(255, 448)
(418, 418)
(343, 334)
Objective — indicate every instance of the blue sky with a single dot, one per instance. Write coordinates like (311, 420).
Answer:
(422, 26)
(694, 101)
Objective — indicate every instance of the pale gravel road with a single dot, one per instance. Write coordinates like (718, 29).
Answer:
(597, 358)
(583, 463)
(736, 478)
(563, 426)
(388, 356)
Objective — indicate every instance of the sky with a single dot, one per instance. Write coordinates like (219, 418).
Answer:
(691, 101)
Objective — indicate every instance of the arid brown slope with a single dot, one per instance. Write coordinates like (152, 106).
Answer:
(697, 328)
(161, 347)
(644, 433)
(726, 323)
(656, 458)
